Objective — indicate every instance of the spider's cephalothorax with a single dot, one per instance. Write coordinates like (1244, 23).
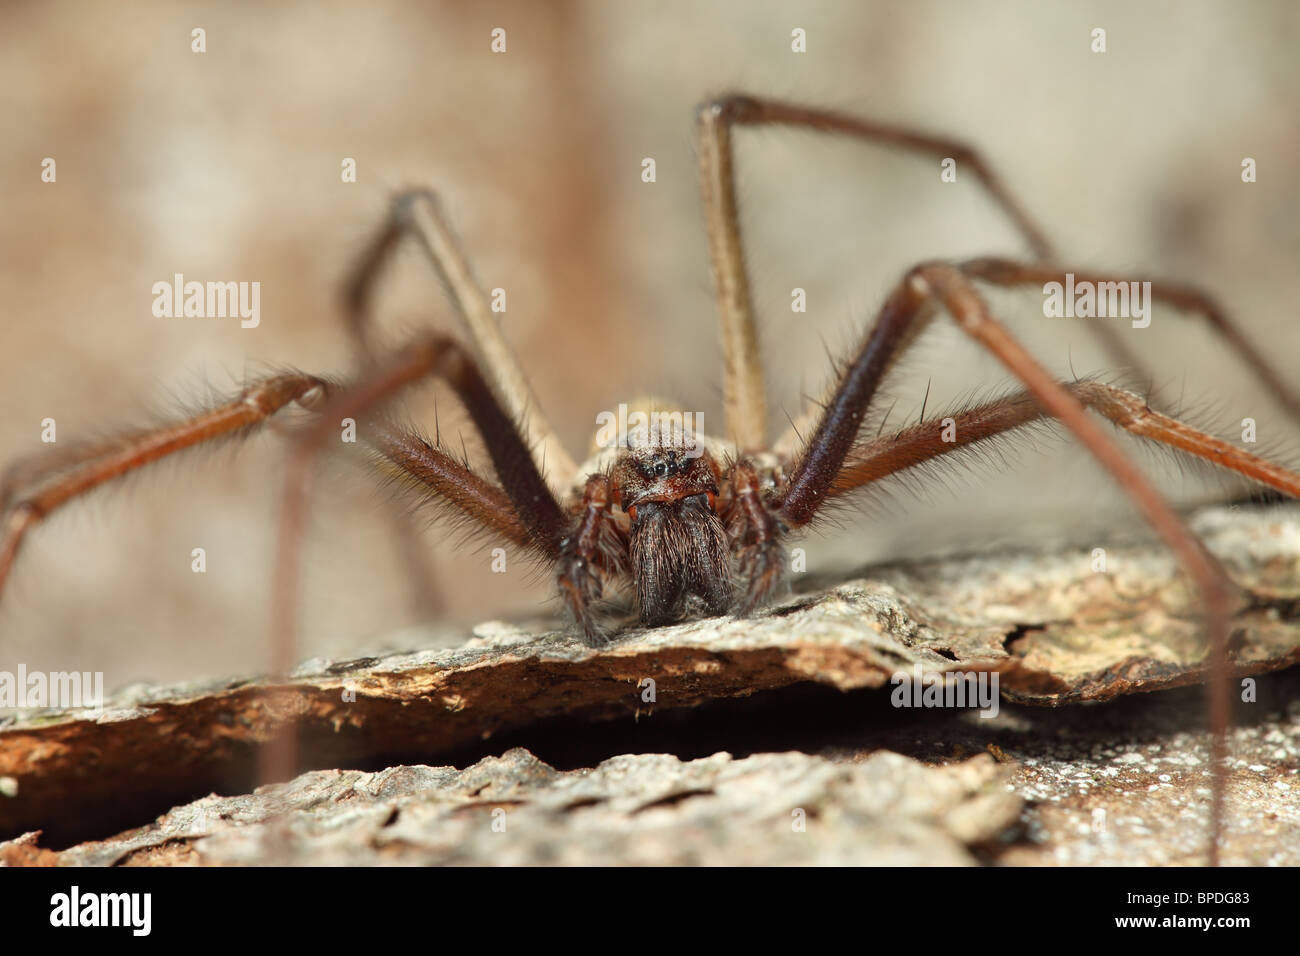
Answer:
(689, 524)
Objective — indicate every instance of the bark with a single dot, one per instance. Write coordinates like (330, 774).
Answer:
(1054, 630)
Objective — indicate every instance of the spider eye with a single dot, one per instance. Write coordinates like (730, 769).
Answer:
(662, 466)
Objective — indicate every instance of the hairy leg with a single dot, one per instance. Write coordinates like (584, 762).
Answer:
(445, 481)
(434, 356)
(48, 490)
(533, 509)
(757, 535)
(880, 457)
(582, 559)
(31, 470)
(419, 213)
(744, 391)
(37, 486)
(817, 471)
(1011, 274)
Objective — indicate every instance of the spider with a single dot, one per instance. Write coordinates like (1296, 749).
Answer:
(693, 523)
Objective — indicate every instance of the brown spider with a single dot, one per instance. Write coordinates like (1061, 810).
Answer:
(695, 523)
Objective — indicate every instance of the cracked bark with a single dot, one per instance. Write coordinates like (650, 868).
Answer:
(1055, 631)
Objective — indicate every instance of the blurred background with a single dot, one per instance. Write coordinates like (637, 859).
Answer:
(225, 165)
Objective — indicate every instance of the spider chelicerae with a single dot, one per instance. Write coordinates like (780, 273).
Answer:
(693, 523)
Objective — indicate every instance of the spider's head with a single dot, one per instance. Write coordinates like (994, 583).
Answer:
(678, 543)
(663, 476)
